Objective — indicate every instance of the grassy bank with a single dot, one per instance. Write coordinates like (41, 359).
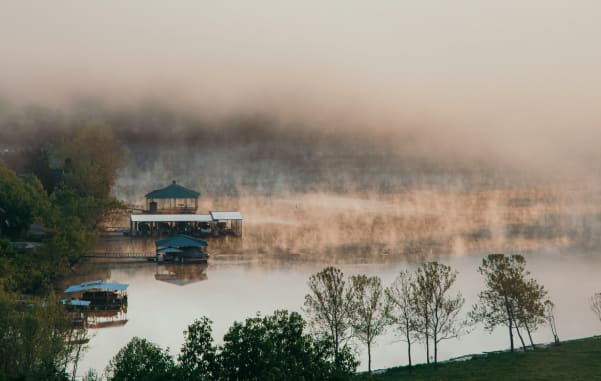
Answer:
(571, 360)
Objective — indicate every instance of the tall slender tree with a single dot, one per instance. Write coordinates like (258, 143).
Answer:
(438, 310)
(329, 307)
(369, 310)
(400, 309)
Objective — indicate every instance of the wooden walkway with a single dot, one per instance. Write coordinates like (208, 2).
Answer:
(120, 255)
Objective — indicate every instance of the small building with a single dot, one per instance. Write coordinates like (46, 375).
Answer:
(173, 199)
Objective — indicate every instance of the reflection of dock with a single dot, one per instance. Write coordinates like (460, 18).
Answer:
(106, 319)
(181, 275)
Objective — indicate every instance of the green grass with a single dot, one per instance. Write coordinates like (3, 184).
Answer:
(571, 360)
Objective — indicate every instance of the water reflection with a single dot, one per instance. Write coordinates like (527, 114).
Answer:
(239, 286)
(107, 319)
(181, 274)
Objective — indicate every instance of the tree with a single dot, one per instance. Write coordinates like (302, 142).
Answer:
(400, 308)
(198, 358)
(530, 311)
(369, 310)
(595, 302)
(141, 360)
(34, 335)
(329, 306)
(510, 298)
(275, 347)
(550, 317)
(22, 202)
(437, 310)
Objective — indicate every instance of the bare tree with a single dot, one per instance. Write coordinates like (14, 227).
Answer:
(401, 310)
(329, 306)
(369, 311)
(550, 317)
(596, 304)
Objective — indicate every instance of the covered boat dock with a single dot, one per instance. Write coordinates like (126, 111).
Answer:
(212, 224)
(173, 210)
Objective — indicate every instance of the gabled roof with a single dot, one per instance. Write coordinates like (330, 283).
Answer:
(181, 241)
(173, 190)
(96, 285)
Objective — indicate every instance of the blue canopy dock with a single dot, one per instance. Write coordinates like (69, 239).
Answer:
(182, 249)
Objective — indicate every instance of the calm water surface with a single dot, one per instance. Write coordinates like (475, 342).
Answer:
(164, 300)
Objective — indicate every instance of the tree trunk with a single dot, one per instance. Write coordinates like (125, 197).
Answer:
(369, 357)
(408, 337)
(521, 338)
(409, 351)
(435, 342)
(427, 349)
(529, 335)
(511, 335)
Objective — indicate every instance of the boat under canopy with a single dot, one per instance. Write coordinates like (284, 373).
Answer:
(181, 249)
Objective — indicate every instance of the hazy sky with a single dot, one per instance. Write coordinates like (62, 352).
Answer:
(491, 69)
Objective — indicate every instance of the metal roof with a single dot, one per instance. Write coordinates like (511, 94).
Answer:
(173, 190)
(226, 215)
(171, 218)
(97, 285)
(181, 241)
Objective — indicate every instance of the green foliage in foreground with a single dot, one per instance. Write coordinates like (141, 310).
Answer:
(571, 360)
(272, 347)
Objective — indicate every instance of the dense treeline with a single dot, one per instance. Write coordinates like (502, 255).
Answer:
(49, 215)
(342, 313)
(273, 347)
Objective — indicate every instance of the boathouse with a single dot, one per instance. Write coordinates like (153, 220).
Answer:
(181, 248)
(174, 210)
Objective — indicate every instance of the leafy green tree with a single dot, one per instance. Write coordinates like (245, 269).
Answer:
(368, 320)
(275, 347)
(21, 201)
(198, 356)
(437, 309)
(329, 306)
(141, 360)
(401, 310)
(33, 336)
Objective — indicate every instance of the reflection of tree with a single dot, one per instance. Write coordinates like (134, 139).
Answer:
(181, 274)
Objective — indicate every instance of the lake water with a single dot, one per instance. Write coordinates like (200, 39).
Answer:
(164, 300)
